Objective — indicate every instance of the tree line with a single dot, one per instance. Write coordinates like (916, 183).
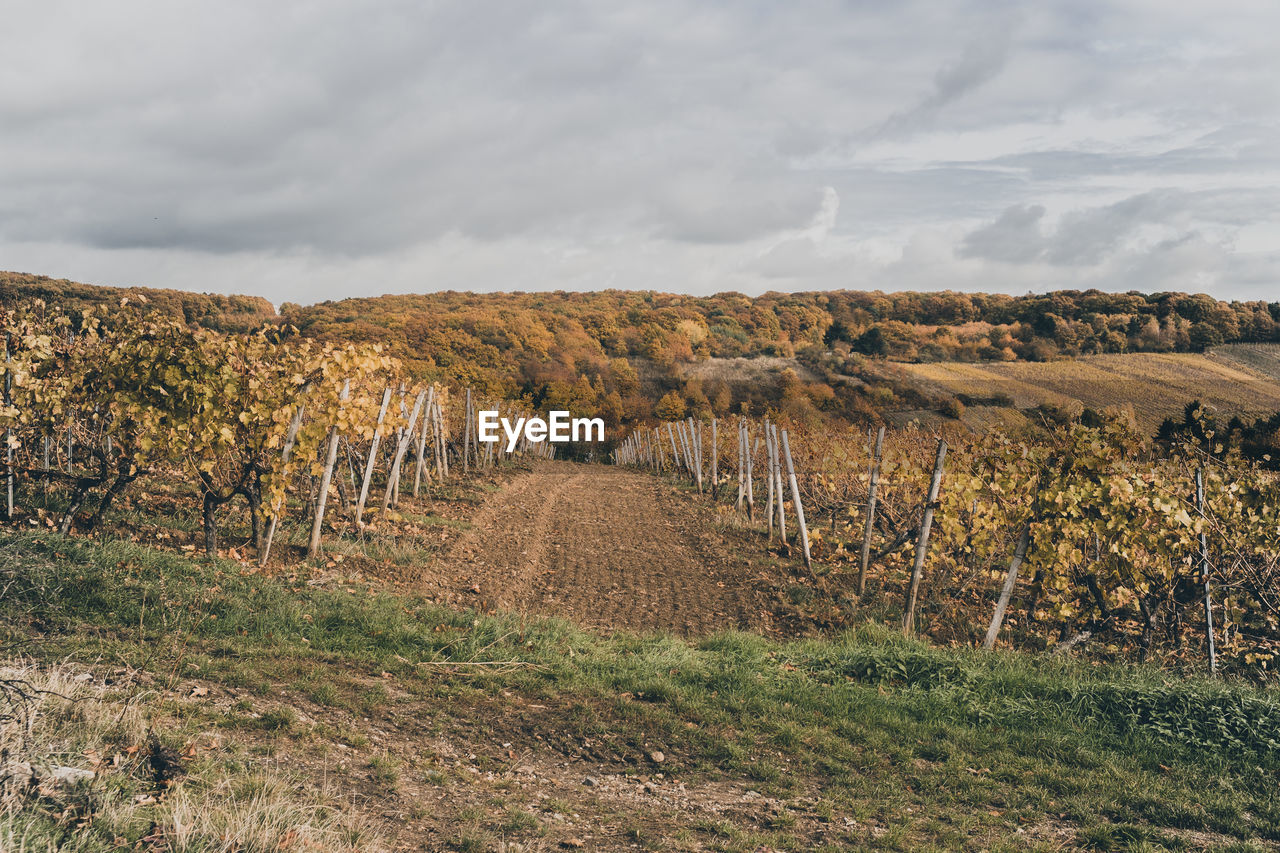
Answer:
(624, 356)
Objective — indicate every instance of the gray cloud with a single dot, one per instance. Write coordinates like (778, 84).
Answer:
(1014, 238)
(982, 59)
(316, 150)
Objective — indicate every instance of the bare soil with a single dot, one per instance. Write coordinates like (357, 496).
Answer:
(613, 549)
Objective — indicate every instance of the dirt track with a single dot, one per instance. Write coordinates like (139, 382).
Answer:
(607, 548)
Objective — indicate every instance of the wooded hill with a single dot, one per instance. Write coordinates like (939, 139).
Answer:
(625, 355)
(208, 310)
(637, 356)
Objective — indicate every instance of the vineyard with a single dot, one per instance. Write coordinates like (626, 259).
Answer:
(685, 650)
(1085, 533)
(92, 411)
(1082, 533)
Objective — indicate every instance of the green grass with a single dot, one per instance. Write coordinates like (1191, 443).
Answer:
(940, 748)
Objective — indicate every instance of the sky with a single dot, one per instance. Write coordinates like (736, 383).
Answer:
(321, 150)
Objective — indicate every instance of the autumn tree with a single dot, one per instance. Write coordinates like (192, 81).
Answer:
(671, 407)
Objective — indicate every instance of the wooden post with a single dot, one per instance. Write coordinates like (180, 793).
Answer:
(768, 468)
(475, 433)
(1204, 575)
(751, 496)
(351, 476)
(697, 453)
(347, 501)
(8, 431)
(331, 456)
(675, 454)
(715, 462)
(393, 479)
(742, 470)
(1010, 578)
(869, 524)
(289, 438)
(402, 434)
(795, 496)
(437, 443)
(922, 545)
(686, 441)
(466, 436)
(422, 440)
(373, 458)
(777, 485)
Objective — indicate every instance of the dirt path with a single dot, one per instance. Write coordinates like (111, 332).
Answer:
(607, 548)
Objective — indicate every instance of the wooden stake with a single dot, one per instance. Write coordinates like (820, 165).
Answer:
(777, 486)
(869, 524)
(1204, 575)
(402, 434)
(351, 476)
(422, 441)
(795, 496)
(331, 456)
(715, 462)
(922, 545)
(289, 439)
(768, 467)
(466, 435)
(742, 470)
(437, 443)
(393, 479)
(1010, 578)
(8, 431)
(697, 451)
(373, 458)
(686, 436)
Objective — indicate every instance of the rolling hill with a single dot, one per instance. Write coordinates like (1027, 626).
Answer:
(1233, 380)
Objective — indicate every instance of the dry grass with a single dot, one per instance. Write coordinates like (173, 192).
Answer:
(80, 775)
(758, 369)
(255, 813)
(1154, 385)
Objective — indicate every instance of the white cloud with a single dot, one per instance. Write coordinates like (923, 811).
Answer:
(317, 150)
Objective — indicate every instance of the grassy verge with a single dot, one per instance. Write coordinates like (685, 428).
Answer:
(865, 739)
(85, 771)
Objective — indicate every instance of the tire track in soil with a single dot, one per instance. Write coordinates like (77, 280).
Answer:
(605, 547)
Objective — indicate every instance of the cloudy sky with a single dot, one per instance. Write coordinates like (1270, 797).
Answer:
(309, 151)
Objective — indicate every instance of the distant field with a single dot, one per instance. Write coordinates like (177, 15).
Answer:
(1263, 358)
(1243, 379)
